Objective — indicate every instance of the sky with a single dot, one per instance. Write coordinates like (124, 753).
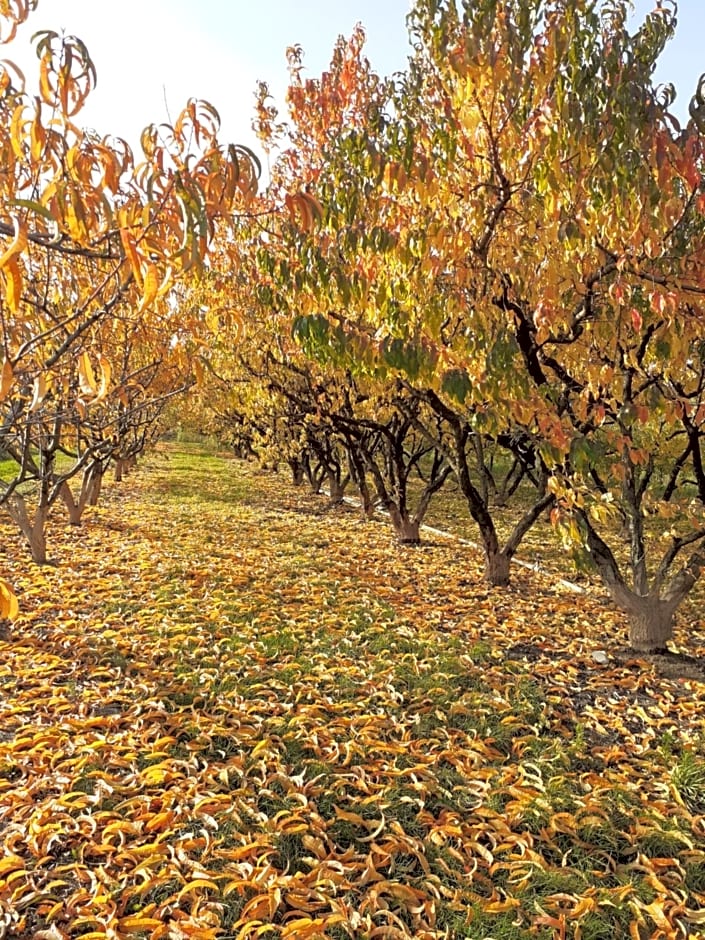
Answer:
(152, 55)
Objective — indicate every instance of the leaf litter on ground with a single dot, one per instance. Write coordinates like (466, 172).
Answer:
(229, 713)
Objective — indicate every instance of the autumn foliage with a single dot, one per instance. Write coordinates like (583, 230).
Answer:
(503, 248)
(96, 244)
(469, 294)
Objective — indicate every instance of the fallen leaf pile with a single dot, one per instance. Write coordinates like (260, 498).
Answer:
(230, 712)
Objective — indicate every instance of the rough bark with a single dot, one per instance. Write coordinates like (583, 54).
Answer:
(336, 487)
(651, 622)
(497, 566)
(407, 530)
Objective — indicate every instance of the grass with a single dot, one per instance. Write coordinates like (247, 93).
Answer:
(228, 709)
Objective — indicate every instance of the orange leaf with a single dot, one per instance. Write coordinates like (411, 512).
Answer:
(6, 377)
(13, 284)
(130, 246)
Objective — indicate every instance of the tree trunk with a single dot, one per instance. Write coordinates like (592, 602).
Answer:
(315, 483)
(74, 509)
(32, 529)
(95, 487)
(37, 537)
(356, 472)
(297, 471)
(315, 475)
(336, 488)
(90, 487)
(119, 468)
(368, 504)
(650, 623)
(497, 568)
(407, 530)
(650, 614)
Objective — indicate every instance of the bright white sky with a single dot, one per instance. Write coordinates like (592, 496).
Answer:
(151, 55)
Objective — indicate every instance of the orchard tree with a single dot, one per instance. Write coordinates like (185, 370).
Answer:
(570, 215)
(92, 241)
(357, 277)
(515, 228)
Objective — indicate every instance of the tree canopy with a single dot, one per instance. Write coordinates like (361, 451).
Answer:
(486, 268)
(511, 231)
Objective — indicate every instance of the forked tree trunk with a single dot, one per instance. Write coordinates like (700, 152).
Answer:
(406, 529)
(336, 488)
(315, 475)
(651, 610)
(73, 507)
(651, 623)
(33, 529)
(497, 566)
(76, 506)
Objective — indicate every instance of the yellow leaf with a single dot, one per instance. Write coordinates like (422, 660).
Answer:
(159, 821)
(106, 371)
(155, 775)
(304, 927)
(150, 286)
(196, 884)
(9, 605)
(167, 281)
(18, 243)
(260, 747)
(197, 371)
(12, 862)
(86, 376)
(138, 923)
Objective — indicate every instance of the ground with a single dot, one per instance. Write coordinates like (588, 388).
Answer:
(229, 711)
